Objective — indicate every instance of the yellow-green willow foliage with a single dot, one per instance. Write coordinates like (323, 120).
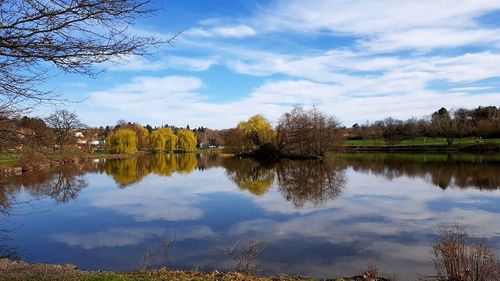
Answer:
(249, 175)
(162, 139)
(142, 136)
(186, 163)
(163, 164)
(122, 141)
(186, 140)
(258, 129)
(127, 171)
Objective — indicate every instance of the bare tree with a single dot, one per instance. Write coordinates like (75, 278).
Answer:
(308, 133)
(41, 37)
(63, 123)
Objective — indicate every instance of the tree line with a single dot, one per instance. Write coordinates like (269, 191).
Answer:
(135, 137)
(62, 130)
(297, 133)
(481, 122)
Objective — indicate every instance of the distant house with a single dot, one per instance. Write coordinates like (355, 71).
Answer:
(80, 138)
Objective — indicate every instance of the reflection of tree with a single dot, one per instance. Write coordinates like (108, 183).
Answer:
(127, 171)
(208, 160)
(163, 164)
(8, 195)
(442, 170)
(300, 181)
(64, 186)
(186, 163)
(249, 175)
(312, 181)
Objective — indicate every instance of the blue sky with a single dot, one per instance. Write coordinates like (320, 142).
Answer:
(358, 60)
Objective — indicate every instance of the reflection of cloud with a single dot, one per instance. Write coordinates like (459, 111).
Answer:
(112, 237)
(375, 220)
(118, 237)
(175, 198)
(389, 222)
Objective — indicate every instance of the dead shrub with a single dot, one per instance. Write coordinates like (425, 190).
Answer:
(457, 258)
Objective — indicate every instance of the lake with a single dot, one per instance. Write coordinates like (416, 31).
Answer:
(206, 211)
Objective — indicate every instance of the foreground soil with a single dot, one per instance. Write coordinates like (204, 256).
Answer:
(22, 271)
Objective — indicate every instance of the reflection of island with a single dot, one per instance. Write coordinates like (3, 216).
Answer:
(299, 181)
(310, 181)
(443, 170)
(250, 175)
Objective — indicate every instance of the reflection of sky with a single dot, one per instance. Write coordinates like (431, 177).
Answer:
(390, 223)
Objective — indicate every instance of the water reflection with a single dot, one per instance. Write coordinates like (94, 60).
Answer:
(315, 217)
(310, 181)
(443, 170)
(127, 171)
(250, 175)
(132, 170)
(298, 181)
(62, 184)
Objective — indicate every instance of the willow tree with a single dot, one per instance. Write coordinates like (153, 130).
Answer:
(122, 141)
(186, 140)
(258, 129)
(162, 139)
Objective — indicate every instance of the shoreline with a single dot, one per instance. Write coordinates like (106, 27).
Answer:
(49, 163)
(9, 171)
(17, 270)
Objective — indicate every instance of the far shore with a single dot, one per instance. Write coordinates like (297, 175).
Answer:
(9, 164)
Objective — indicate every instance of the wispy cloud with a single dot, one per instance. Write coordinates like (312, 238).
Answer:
(227, 31)
(139, 63)
(396, 62)
(387, 24)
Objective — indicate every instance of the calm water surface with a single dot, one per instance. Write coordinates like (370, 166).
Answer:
(205, 211)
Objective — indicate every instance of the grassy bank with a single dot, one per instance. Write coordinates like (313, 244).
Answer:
(424, 144)
(9, 161)
(457, 142)
(22, 271)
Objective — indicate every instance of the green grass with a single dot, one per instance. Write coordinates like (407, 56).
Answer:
(9, 161)
(422, 142)
(102, 152)
(417, 157)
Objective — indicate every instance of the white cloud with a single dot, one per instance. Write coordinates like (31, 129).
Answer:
(401, 94)
(430, 38)
(134, 63)
(140, 63)
(355, 83)
(470, 89)
(387, 24)
(190, 64)
(229, 31)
